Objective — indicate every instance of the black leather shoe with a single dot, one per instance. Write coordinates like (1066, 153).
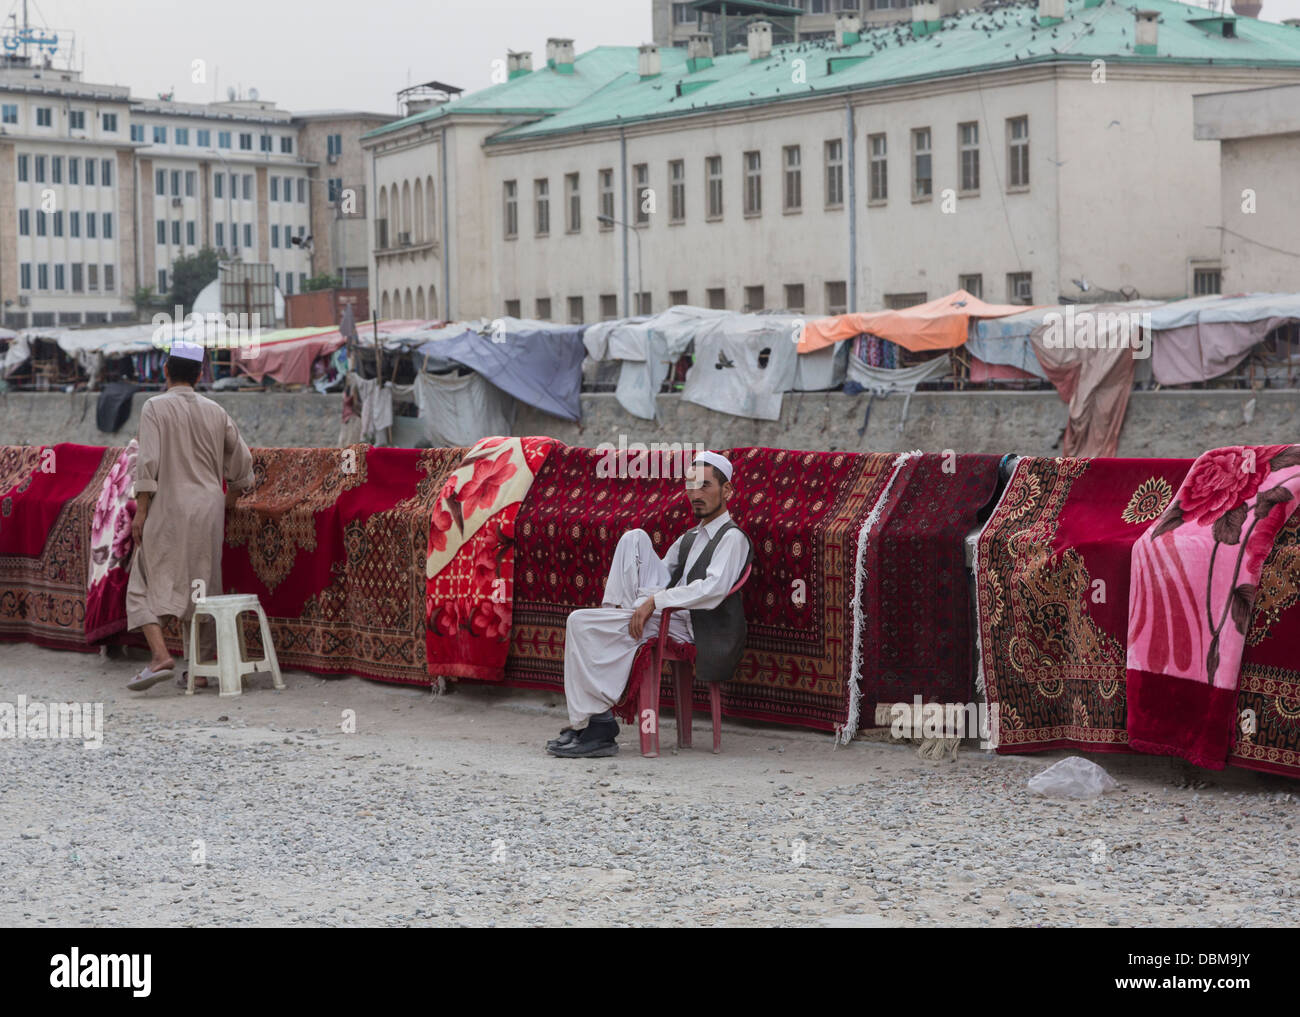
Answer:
(595, 740)
(567, 737)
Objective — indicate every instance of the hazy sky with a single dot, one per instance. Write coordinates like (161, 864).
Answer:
(324, 54)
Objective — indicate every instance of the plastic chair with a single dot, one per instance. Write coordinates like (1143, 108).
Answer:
(232, 661)
(682, 657)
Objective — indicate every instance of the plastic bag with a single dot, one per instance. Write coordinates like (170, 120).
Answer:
(1074, 777)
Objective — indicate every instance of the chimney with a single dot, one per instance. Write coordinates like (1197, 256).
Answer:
(1146, 32)
(699, 52)
(1051, 12)
(518, 64)
(1293, 22)
(848, 28)
(760, 40)
(559, 55)
(1246, 8)
(926, 19)
(647, 61)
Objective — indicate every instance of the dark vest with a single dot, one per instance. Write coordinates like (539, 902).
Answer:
(719, 633)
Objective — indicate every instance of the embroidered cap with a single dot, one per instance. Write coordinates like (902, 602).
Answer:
(714, 459)
(186, 351)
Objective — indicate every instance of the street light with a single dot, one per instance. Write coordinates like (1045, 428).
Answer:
(636, 230)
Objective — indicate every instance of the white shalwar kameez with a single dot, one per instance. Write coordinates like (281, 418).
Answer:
(598, 649)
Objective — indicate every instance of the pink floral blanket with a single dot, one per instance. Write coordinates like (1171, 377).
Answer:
(110, 549)
(1194, 577)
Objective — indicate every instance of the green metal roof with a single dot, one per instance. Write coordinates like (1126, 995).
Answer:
(540, 91)
(743, 7)
(975, 40)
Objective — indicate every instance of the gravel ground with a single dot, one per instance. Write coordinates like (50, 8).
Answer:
(445, 810)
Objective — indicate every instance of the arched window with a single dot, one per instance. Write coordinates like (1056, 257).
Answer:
(406, 207)
(408, 310)
(383, 213)
(433, 302)
(419, 293)
(417, 227)
(383, 303)
(430, 210)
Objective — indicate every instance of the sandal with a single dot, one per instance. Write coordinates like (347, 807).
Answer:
(148, 678)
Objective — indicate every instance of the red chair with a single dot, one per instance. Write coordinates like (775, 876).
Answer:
(647, 676)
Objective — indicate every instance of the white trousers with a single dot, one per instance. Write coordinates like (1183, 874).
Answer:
(598, 649)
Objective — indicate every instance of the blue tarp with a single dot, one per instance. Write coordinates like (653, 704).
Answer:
(538, 366)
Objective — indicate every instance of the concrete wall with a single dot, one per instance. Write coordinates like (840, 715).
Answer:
(1174, 424)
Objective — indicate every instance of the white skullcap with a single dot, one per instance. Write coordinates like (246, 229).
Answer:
(186, 351)
(714, 459)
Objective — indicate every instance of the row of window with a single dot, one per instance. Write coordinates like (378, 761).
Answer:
(1020, 290)
(162, 230)
(282, 189)
(84, 278)
(34, 168)
(203, 138)
(45, 117)
(792, 191)
(51, 223)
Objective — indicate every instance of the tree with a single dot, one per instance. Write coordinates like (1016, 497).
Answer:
(190, 273)
(324, 281)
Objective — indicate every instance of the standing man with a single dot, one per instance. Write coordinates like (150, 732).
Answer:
(188, 444)
(697, 574)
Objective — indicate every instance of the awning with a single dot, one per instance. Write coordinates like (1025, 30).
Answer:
(940, 324)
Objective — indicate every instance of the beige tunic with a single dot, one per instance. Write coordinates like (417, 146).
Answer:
(188, 444)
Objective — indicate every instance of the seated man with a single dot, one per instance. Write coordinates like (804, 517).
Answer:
(697, 574)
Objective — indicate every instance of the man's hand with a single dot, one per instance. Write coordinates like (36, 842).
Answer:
(137, 521)
(636, 625)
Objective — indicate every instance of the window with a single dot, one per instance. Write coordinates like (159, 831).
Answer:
(162, 280)
(160, 182)
(24, 222)
(108, 225)
(248, 186)
(753, 183)
(90, 226)
(74, 223)
(275, 188)
(275, 236)
(1206, 281)
(879, 172)
(246, 141)
(223, 139)
(9, 115)
(90, 172)
(543, 308)
(42, 277)
(754, 298)
(92, 277)
(76, 277)
(161, 231)
(286, 144)
(794, 297)
(40, 169)
(265, 142)
(1018, 152)
(898, 301)
(74, 170)
(968, 145)
(220, 234)
(109, 282)
(41, 227)
(1020, 287)
(248, 235)
(203, 137)
(510, 198)
(189, 232)
(58, 223)
(575, 311)
(191, 180)
(137, 132)
(159, 135)
(56, 169)
(640, 192)
(717, 299)
(643, 302)
(573, 208)
(25, 275)
(22, 168)
(288, 283)
(684, 14)
(972, 283)
(108, 121)
(302, 190)
(608, 306)
(713, 178)
(512, 308)
(60, 277)
(542, 208)
(335, 190)
(106, 174)
(792, 192)
(334, 144)
(922, 183)
(182, 135)
(607, 199)
(676, 298)
(176, 183)
(44, 117)
(837, 299)
(834, 156)
(677, 191)
(217, 180)
(76, 120)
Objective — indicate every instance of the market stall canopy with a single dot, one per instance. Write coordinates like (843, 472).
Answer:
(940, 324)
(1205, 337)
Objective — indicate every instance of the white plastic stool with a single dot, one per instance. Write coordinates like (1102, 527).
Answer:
(232, 661)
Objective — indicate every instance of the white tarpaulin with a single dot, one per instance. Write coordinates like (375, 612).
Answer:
(17, 354)
(458, 410)
(743, 364)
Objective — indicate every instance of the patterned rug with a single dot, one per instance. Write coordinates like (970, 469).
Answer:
(333, 542)
(917, 633)
(48, 496)
(801, 510)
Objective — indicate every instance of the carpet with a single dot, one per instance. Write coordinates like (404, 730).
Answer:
(917, 633)
(47, 504)
(111, 548)
(470, 568)
(801, 510)
(1052, 597)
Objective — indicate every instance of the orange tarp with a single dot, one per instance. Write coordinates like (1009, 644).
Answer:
(935, 325)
